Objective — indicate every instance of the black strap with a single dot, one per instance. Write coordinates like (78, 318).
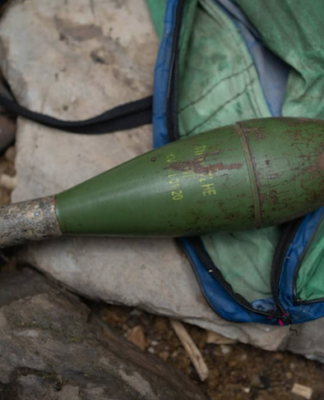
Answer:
(126, 116)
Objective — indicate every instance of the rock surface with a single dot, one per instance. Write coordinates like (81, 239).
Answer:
(50, 350)
(74, 60)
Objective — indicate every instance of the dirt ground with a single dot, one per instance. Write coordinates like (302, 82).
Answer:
(236, 371)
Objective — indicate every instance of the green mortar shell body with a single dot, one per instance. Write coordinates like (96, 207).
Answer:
(253, 174)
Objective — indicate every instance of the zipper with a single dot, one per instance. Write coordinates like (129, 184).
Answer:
(216, 273)
(280, 314)
(301, 259)
(288, 234)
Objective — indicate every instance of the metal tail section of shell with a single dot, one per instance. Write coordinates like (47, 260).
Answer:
(29, 220)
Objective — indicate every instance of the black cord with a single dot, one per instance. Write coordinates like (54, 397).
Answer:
(126, 116)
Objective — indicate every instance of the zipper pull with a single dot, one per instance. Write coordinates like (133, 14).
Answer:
(293, 330)
(285, 319)
(289, 321)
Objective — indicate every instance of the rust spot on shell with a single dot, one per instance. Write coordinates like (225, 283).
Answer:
(197, 166)
(311, 169)
(319, 167)
(274, 196)
(320, 161)
(274, 176)
(260, 134)
(303, 121)
(269, 197)
(256, 130)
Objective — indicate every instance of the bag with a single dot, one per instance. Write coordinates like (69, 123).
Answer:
(214, 69)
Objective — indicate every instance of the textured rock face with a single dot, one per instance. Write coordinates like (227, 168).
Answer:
(49, 350)
(74, 60)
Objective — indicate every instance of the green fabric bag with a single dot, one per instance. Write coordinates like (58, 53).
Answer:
(219, 85)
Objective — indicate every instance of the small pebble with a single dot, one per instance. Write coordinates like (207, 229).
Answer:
(136, 313)
(303, 391)
(255, 381)
(265, 396)
(289, 375)
(278, 357)
(8, 182)
(137, 337)
(225, 349)
(164, 355)
(216, 338)
(161, 324)
(175, 354)
(10, 154)
(232, 364)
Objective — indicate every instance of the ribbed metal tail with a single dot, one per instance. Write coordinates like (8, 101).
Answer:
(29, 220)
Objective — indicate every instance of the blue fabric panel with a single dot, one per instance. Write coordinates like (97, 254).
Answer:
(264, 304)
(300, 312)
(161, 74)
(272, 71)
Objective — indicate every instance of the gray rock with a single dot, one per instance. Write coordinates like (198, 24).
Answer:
(49, 350)
(309, 341)
(74, 60)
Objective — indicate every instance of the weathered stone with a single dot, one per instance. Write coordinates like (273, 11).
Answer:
(49, 350)
(308, 340)
(137, 337)
(74, 60)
